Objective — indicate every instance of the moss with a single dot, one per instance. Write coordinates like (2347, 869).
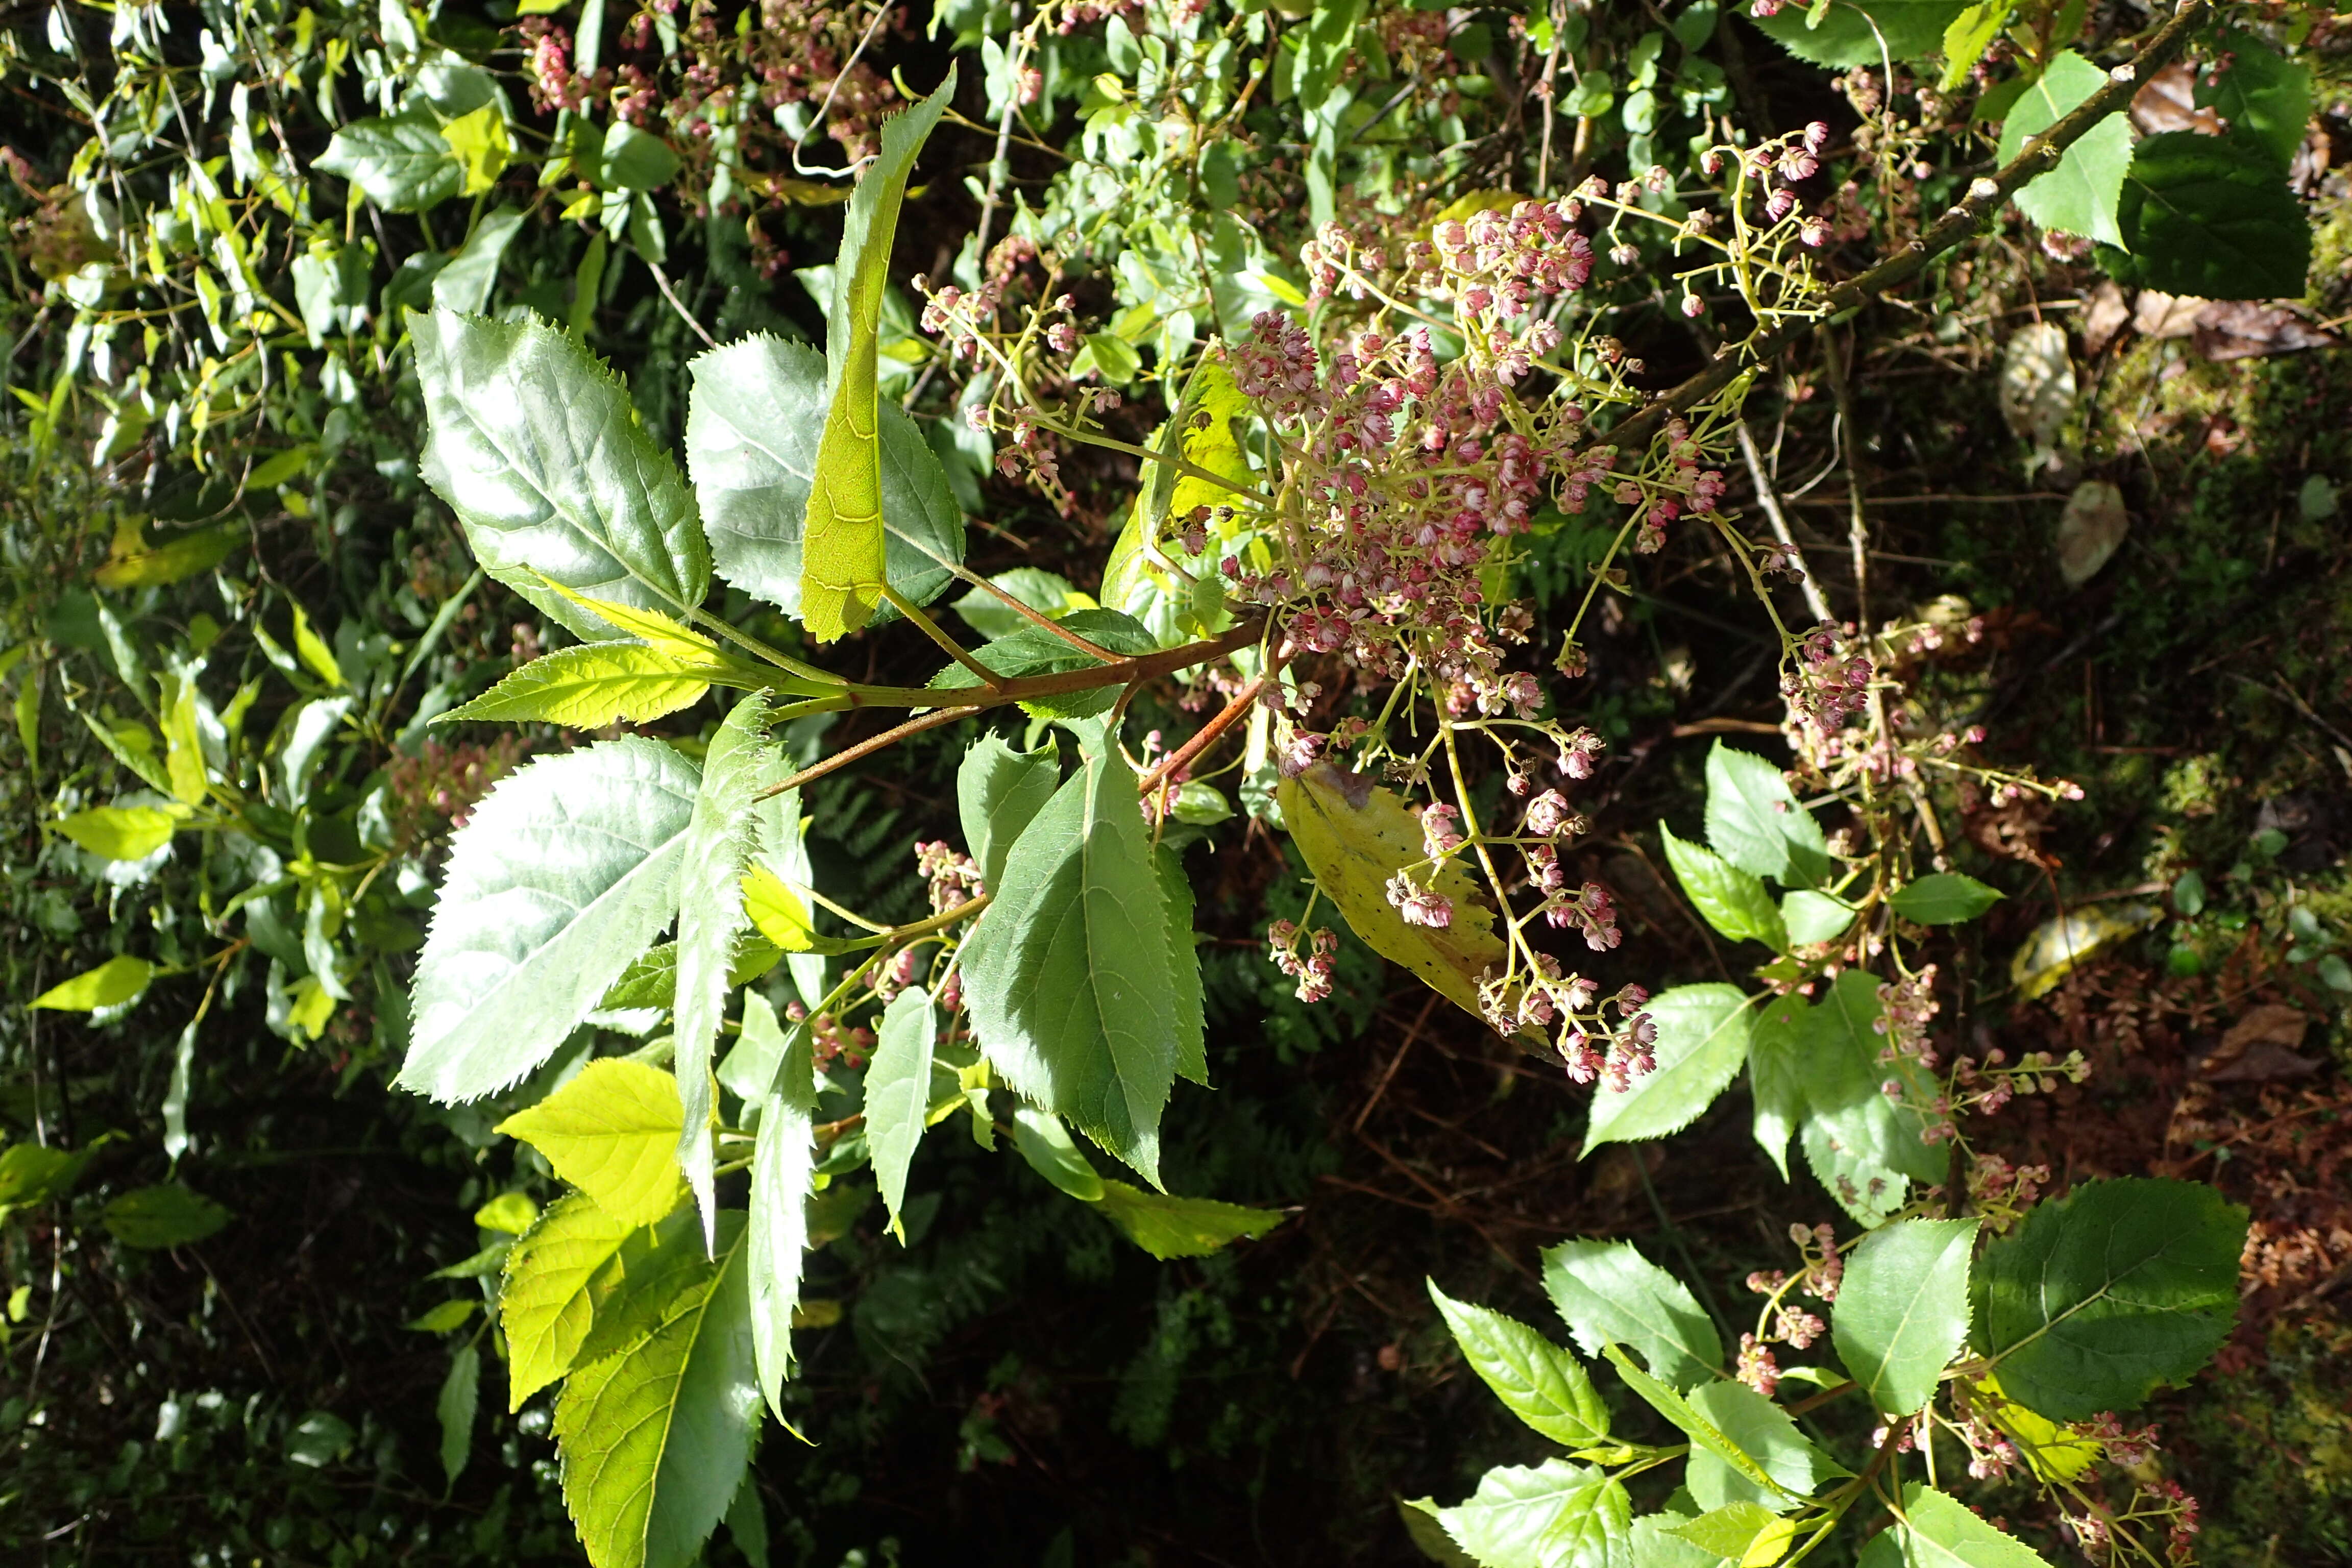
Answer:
(2270, 1453)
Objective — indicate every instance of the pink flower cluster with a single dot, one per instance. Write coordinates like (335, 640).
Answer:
(1312, 969)
(1829, 681)
(954, 876)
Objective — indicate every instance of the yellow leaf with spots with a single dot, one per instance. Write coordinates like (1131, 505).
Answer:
(1355, 835)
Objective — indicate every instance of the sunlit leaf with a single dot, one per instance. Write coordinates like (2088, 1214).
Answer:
(1539, 1383)
(588, 687)
(612, 1133)
(1703, 1033)
(1169, 1227)
(2080, 195)
(110, 984)
(1903, 1310)
(1607, 1293)
(898, 1093)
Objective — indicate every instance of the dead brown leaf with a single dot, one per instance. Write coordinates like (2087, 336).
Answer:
(2104, 315)
(2155, 315)
(2168, 102)
(2246, 329)
(2260, 1048)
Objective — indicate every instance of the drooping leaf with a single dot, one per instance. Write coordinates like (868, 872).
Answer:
(759, 406)
(842, 548)
(741, 760)
(400, 164)
(550, 1288)
(998, 790)
(2080, 194)
(1702, 1039)
(588, 687)
(561, 879)
(1733, 900)
(654, 1441)
(1168, 1226)
(1940, 1531)
(1754, 822)
(121, 832)
(1776, 1081)
(534, 445)
(1065, 973)
(1607, 1293)
(898, 1093)
(1943, 899)
(110, 984)
(2210, 217)
(1354, 835)
(459, 1400)
(1903, 1310)
(1849, 33)
(1541, 1383)
(612, 1132)
(1046, 1145)
(2097, 1300)
(1552, 1515)
(166, 1216)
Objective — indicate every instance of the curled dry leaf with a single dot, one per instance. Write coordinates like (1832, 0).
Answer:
(2090, 530)
(2168, 102)
(2037, 384)
(2261, 1048)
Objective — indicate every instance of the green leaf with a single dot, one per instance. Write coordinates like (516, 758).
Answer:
(1812, 917)
(1053, 1154)
(535, 446)
(741, 761)
(440, 1319)
(658, 1267)
(1541, 1383)
(554, 1277)
(1943, 899)
(1183, 967)
(110, 984)
(1033, 650)
(1421, 1518)
(1048, 593)
(2098, 1299)
(1939, 1531)
(1702, 1039)
(2080, 195)
(2211, 217)
(33, 1173)
(403, 165)
(1734, 1464)
(1967, 38)
(461, 1399)
(512, 1213)
(168, 1216)
(591, 686)
(1732, 900)
(842, 557)
(612, 1133)
(1065, 973)
(1764, 1434)
(121, 832)
(561, 879)
(654, 1441)
(636, 159)
(1756, 824)
(1652, 1544)
(898, 1094)
(1903, 1310)
(758, 411)
(1848, 1113)
(1776, 1074)
(1609, 1293)
(1731, 1530)
(479, 139)
(1168, 1226)
(1850, 33)
(464, 285)
(1552, 1515)
(2263, 96)
(998, 790)
(784, 1163)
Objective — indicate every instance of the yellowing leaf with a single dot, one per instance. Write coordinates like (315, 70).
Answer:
(110, 984)
(612, 1132)
(2052, 1451)
(183, 760)
(841, 545)
(779, 913)
(312, 650)
(590, 686)
(1355, 835)
(2056, 946)
(121, 832)
(313, 1004)
(1211, 404)
(512, 1213)
(133, 562)
(654, 628)
(481, 145)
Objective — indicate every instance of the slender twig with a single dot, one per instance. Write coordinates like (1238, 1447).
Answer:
(661, 280)
(1815, 600)
(1056, 683)
(866, 748)
(1985, 197)
(1183, 755)
(1035, 617)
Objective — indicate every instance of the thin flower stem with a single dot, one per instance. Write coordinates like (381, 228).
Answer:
(930, 629)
